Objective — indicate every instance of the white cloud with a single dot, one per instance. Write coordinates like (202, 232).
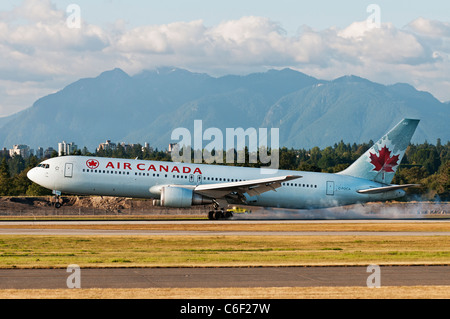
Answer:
(430, 28)
(40, 53)
(161, 39)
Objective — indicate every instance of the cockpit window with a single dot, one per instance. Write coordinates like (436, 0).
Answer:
(44, 165)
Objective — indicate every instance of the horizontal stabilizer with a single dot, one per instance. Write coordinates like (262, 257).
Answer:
(377, 190)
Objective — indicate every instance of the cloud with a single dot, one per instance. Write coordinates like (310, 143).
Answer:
(431, 28)
(162, 39)
(40, 52)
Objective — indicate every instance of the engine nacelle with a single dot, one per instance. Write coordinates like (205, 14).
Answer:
(180, 197)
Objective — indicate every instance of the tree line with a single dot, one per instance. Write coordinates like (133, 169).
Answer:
(425, 164)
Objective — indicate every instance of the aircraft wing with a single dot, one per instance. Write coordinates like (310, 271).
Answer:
(383, 189)
(251, 187)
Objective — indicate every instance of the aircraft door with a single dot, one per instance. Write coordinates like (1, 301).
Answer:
(191, 178)
(199, 179)
(68, 170)
(330, 188)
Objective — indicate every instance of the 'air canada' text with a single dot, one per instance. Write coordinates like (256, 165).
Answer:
(153, 168)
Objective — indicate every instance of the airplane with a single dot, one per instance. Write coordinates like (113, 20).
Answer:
(172, 184)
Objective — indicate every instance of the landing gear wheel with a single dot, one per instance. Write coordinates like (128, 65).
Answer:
(219, 214)
(56, 198)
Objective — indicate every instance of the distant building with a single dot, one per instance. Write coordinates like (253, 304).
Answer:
(147, 147)
(40, 152)
(22, 150)
(48, 152)
(4, 151)
(171, 146)
(126, 147)
(66, 148)
(107, 146)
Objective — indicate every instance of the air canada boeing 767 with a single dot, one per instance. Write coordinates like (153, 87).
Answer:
(181, 185)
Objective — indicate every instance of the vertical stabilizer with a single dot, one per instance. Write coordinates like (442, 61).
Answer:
(380, 162)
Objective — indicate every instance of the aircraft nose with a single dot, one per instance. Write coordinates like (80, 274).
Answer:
(33, 175)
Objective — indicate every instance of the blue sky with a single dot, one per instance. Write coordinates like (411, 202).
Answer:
(291, 14)
(39, 54)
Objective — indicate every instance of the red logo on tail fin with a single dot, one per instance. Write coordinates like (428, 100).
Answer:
(384, 161)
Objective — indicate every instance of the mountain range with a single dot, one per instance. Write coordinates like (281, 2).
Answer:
(148, 106)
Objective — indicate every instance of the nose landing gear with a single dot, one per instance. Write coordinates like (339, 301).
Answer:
(56, 199)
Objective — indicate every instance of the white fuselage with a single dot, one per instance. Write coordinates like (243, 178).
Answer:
(134, 178)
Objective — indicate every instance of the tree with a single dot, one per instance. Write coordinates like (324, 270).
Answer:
(5, 178)
(20, 184)
(37, 190)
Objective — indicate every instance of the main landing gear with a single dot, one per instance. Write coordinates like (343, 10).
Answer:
(219, 214)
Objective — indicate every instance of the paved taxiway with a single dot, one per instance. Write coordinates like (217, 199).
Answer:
(224, 277)
(11, 230)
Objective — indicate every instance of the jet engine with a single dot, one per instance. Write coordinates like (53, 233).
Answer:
(180, 197)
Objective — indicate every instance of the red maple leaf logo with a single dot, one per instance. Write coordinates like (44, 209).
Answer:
(92, 164)
(384, 162)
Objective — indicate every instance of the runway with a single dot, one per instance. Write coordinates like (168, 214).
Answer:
(94, 228)
(225, 277)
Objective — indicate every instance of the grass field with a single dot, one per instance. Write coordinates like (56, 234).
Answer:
(180, 251)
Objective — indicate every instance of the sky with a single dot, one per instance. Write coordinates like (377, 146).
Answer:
(48, 44)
